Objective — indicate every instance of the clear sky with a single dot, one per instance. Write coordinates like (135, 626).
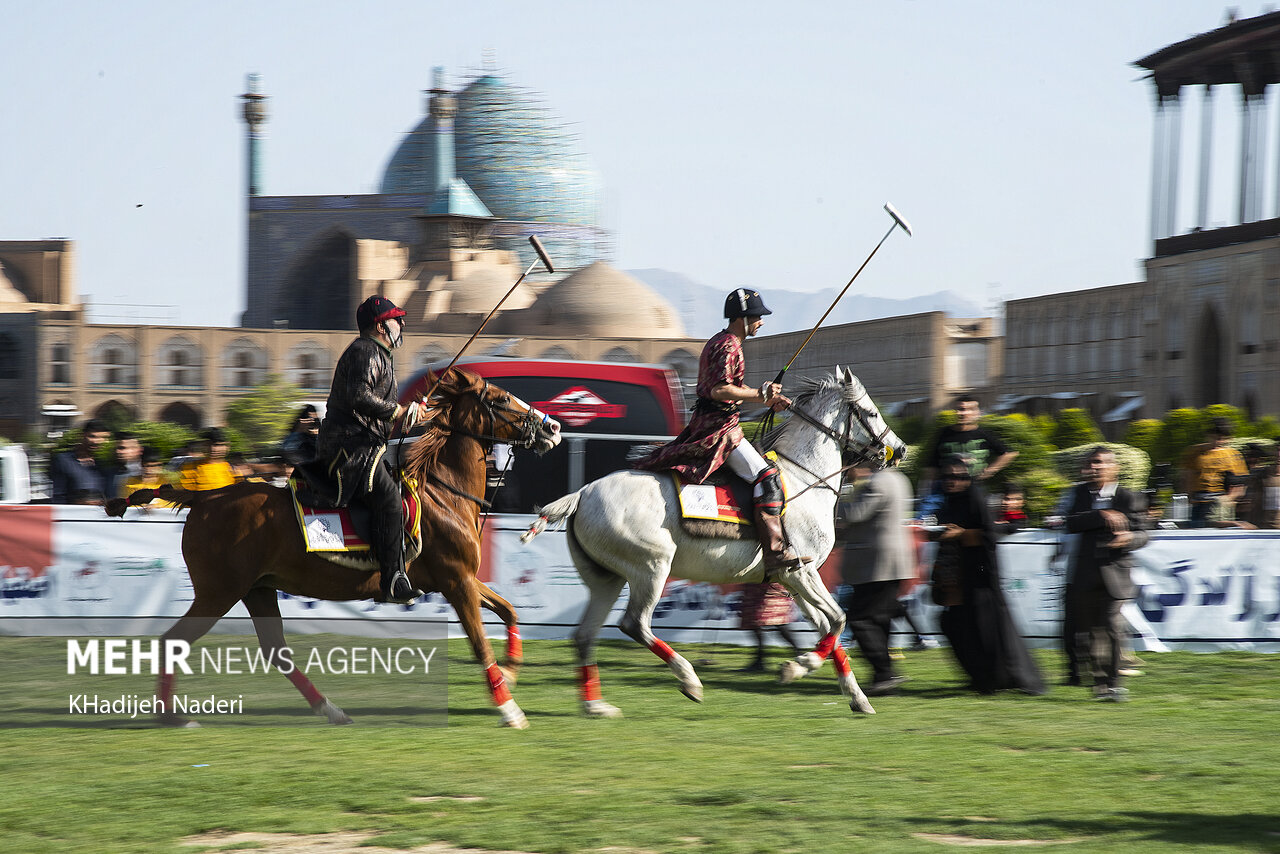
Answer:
(740, 143)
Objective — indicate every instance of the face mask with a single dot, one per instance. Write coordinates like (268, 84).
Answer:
(399, 336)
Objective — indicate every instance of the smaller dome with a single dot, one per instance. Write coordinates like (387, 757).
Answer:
(479, 291)
(605, 302)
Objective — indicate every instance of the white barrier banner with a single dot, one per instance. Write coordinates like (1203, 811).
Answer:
(62, 567)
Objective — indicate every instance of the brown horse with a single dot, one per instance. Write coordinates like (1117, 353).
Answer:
(242, 543)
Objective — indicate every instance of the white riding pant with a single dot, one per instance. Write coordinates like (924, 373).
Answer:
(745, 461)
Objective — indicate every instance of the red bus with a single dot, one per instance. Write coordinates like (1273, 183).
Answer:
(610, 414)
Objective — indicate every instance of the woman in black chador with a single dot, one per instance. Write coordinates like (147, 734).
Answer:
(966, 582)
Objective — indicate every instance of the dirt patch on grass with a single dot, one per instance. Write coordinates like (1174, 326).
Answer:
(426, 799)
(347, 842)
(975, 842)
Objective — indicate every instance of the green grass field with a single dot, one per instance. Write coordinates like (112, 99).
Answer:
(1191, 764)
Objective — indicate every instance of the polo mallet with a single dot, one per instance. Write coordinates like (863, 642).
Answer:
(898, 222)
(546, 262)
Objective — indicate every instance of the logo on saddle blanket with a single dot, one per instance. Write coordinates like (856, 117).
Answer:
(720, 501)
(331, 529)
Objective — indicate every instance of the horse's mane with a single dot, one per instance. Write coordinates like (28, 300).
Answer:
(424, 452)
(811, 388)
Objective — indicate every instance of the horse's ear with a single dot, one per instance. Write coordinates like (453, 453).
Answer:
(846, 375)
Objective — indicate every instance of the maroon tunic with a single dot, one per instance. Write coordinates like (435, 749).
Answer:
(764, 605)
(711, 434)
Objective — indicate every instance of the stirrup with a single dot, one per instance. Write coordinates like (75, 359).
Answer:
(399, 591)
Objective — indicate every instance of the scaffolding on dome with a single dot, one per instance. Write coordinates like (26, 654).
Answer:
(523, 162)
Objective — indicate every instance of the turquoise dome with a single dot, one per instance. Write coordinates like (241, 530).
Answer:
(519, 160)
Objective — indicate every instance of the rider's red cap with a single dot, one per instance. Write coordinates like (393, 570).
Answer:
(375, 310)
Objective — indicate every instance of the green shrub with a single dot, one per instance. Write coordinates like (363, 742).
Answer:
(1135, 465)
(1043, 487)
(1074, 427)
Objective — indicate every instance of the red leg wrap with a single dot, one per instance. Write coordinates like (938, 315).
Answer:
(164, 692)
(304, 686)
(590, 677)
(660, 649)
(497, 684)
(824, 647)
(515, 649)
(840, 659)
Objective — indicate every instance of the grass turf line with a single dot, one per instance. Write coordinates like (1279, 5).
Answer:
(1190, 764)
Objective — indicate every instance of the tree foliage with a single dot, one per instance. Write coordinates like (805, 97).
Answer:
(1144, 434)
(1181, 429)
(263, 416)
(1074, 427)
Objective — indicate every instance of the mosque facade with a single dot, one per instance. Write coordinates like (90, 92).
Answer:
(446, 238)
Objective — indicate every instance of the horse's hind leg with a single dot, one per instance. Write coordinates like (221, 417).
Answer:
(465, 598)
(502, 608)
(201, 616)
(264, 608)
(646, 589)
(603, 588)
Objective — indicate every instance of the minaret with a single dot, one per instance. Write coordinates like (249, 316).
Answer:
(454, 218)
(254, 112)
(255, 116)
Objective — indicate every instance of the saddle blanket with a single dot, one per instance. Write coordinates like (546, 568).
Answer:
(332, 529)
(723, 497)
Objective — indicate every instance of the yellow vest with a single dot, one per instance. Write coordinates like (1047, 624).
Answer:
(206, 475)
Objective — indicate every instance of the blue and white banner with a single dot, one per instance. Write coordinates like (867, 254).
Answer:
(63, 567)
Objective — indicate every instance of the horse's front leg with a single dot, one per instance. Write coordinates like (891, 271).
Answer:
(826, 616)
(465, 598)
(636, 622)
(515, 646)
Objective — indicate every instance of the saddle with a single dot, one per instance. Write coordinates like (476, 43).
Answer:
(341, 535)
(720, 507)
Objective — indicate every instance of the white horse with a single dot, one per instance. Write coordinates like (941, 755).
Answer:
(625, 529)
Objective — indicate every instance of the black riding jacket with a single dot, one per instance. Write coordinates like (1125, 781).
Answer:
(357, 421)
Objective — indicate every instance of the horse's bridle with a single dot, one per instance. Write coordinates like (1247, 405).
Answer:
(526, 423)
(842, 439)
(527, 427)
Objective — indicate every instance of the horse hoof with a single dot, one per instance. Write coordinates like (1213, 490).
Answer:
(176, 722)
(693, 692)
(600, 709)
(333, 714)
(790, 672)
(860, 705)
(512, 716)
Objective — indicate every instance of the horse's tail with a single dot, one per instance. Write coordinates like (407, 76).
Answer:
(556, 511)
(177, 498)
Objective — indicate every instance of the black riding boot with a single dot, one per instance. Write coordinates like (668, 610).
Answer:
(767, 507)
(389, 547)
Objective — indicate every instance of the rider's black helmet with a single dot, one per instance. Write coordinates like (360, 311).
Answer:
(374, 310)
(744, 303)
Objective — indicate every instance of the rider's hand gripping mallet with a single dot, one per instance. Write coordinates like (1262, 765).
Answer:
(898, 222)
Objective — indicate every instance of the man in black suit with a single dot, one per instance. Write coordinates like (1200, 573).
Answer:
(1111, 522)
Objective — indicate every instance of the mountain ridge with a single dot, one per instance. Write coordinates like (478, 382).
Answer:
(701, 307)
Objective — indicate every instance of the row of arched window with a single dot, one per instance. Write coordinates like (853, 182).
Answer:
(180, 362)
